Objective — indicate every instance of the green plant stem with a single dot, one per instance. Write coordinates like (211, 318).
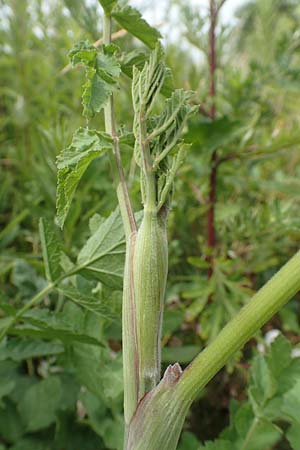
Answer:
(150, 276)
(161, 413)
(40, 295)
(115, 158)
(129, 336)
(150, 202)
(33, 301)
(251, 433)
(265, 303)
(129, 333)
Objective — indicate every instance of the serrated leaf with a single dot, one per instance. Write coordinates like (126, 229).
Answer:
(49, 325)
(40, 402)
(265, 435)
(51, 249)
(96, 370)
(131, 20)
(19, 349)
(102, 257)
(83, 53)
(95, 93)
(291, 403)
(95, 221)
(263, 384)
(102, 71)
(88, 301)
(279, 355)
(73, 161)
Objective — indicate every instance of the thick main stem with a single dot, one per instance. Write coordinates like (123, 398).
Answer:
(160, 415)
(150, 271)
(150, 276)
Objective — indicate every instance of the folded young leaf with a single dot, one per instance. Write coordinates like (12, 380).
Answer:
(157, 136)
(137, 58)
(131, 19)
(147, 83)
(102, 71)
(73, 161)
(165, 129)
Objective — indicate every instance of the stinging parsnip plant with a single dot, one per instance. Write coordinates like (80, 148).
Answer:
(155, 407)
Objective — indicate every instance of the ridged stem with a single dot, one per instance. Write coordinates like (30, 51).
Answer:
(160, 415)
(115, 157)
(150, 276)
(261, 308)
(130, 350)
(129, 335)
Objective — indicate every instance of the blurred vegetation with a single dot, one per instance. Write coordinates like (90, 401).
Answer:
(66, 393)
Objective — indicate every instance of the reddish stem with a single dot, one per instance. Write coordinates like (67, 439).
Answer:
(212, 58)
(211, 232)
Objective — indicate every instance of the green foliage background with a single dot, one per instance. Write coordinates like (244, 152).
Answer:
(60, 366)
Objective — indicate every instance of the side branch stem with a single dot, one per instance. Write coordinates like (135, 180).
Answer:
(265, 303)
(115, 159)
(129, 332)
